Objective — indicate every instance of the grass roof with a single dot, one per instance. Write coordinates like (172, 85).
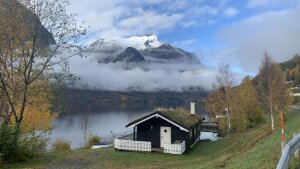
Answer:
(179, 116)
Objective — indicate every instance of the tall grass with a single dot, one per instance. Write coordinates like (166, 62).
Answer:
(61, 145)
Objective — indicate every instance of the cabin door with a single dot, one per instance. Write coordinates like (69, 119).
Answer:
(165, 135)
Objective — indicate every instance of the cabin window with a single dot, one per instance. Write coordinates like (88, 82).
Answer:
(151, 127)
(191, 133)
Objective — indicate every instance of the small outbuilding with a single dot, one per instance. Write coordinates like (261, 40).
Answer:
(170, 130)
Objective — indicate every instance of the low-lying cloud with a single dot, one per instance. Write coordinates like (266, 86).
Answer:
(152, 77)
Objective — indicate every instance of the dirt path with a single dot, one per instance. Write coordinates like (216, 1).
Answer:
(76, 161)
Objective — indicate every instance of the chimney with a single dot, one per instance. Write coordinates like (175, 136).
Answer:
(193, 109)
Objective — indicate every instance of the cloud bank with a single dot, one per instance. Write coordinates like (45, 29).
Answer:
(153, 77)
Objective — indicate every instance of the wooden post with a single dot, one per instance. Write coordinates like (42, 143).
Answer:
(134, 133)
(282, 131)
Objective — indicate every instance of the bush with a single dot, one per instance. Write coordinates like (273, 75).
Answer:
(27, 146)
(7, 148)
(61, 145)
(1, 161)
(93, 140)
(31, 146)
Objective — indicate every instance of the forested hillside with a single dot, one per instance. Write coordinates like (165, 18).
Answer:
(292, 69)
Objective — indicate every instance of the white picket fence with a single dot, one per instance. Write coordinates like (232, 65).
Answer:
(174, 148)
(132, 145)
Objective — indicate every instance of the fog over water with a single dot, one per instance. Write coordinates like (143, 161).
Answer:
(151, 77)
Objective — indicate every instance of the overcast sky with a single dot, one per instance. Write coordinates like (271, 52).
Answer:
(233, 31)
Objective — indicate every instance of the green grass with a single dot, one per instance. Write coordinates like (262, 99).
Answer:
(256, 148)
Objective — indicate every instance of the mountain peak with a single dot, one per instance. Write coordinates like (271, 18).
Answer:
(166, 46)
(130, 55)
(145, 41)
(145, 48)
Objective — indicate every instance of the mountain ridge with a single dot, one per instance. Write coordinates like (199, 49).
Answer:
(44, 37)
(108, 50)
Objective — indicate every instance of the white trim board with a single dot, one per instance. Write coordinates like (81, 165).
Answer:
(158, 115)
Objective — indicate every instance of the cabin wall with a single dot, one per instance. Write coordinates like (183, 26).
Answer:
(193, 135)
(150, 131)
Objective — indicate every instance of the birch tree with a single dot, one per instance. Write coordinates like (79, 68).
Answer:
(220, 100)
(225, 81)
(27, 55)
(273, 90)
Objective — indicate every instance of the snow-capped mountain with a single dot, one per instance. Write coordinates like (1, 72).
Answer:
(144, 42)
(138, 49)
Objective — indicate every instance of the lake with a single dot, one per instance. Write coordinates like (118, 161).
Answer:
(104, 123)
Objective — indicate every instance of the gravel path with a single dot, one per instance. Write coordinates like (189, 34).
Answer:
(83, 161)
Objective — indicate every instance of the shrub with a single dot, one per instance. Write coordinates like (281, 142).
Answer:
(61, 145)
(1, 160)
(7, 148)
(31, 146)
(93, 140)
(27, 146)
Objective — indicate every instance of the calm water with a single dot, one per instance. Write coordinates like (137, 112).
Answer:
(104, 123)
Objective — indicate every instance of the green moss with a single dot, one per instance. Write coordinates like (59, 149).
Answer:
(180, 116)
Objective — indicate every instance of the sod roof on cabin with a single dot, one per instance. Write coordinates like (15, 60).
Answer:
(178, 116)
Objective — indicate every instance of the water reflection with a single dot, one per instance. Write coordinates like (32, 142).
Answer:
(104, 122)
(69, 126)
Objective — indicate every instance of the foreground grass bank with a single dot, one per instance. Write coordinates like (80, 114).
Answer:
(256, 148)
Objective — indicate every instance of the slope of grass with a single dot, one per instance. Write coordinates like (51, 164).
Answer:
(267, 152)
(256, 148)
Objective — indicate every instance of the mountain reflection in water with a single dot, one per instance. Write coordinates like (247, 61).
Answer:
(105, 122)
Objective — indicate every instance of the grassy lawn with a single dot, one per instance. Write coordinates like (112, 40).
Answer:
(256, 148)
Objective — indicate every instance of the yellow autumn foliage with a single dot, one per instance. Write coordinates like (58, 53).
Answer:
(38, 116)
(244, 108)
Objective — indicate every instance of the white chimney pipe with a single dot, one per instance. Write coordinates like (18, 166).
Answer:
(193, 108)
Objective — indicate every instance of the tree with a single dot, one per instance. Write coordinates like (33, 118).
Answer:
(219, 101)
(84, 126)
(38, 116)
(246, 111)
(273, 90)
(225, 80)
(35, 36)
(296, 73)
(215, 103)
(244, 108)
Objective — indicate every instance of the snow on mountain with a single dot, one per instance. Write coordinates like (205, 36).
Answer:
(147, 48)
(138, 42)
(144, 42)
(139, 63)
